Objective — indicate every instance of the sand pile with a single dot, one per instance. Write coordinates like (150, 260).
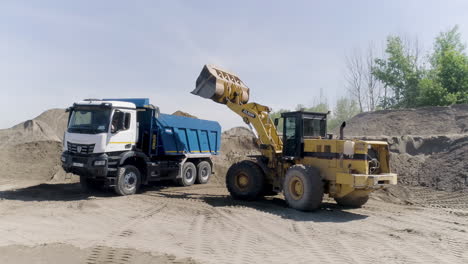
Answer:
(185, 114)
(429, 146)
(31, 150)
(236, 144)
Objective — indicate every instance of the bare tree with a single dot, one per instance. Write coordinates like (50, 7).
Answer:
(374, 87)
(355, 77)
(361, 83)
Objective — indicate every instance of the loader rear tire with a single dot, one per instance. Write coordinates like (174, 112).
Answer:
(303, 188)
(352, 201)
(245, 180)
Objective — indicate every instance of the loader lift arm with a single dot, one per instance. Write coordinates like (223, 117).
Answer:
(226, 88)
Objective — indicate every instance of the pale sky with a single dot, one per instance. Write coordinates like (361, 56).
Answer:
(53, 53)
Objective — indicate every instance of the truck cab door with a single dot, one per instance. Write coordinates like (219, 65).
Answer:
(122, 130)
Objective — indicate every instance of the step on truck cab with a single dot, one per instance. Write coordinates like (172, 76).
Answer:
(123, 143)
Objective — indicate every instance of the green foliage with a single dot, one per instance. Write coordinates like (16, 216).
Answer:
(399, 73)
(448, 78)
(344, 110)
(444, 82)
(320, 107)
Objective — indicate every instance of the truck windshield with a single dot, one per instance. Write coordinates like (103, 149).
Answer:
(89, 121)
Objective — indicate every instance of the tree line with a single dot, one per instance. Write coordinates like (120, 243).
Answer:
(404, 76)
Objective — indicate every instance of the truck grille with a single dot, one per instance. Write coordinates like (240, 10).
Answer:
(80, 148)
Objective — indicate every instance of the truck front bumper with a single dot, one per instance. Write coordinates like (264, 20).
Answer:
(92, 166)
(367, 181)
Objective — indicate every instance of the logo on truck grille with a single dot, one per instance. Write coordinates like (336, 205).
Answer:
(80, 148)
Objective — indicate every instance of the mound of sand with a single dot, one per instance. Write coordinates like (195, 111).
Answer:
(437, 120)
(181, 113)
(429, 145)
(236, 144)
(31, 150)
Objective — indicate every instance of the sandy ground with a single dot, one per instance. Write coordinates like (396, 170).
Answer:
(57, 223)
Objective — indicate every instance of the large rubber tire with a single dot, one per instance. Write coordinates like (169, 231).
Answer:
(303, 188)
(88, 184)
(189, 174)
(203, 172)
(245, 180)
(128, 180)
(352, 201)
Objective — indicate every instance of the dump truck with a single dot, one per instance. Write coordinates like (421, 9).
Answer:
(123, 143)
(305, 162)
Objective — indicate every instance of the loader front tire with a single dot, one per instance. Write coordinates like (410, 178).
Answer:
(303, 188)
(352, 201)
(245, 180)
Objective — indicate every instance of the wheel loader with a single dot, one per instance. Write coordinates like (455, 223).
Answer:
(305, 162)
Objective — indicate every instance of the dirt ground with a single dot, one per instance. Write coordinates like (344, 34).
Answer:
(46, 218)
(53, 223)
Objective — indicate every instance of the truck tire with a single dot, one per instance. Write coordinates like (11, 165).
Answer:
(203, 172)
(90, 184)
(352, 201)
(128, 180)
(303, 188)
(189, 174)
(245, 180)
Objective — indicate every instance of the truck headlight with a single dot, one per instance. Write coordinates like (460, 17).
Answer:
(63, 159)
(99, 163)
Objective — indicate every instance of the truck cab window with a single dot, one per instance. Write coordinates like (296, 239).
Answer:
(117, 121)
(127, 121)
(89, 120)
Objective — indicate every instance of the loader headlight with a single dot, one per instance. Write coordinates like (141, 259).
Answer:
(99, 163)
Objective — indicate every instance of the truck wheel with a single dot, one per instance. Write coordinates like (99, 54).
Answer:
(245, 180)
(189, 174)
(303, 188)
(352, 200)
(90, 184)
(128, 180)
(203, 172)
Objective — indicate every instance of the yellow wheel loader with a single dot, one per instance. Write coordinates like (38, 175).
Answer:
(306, 162)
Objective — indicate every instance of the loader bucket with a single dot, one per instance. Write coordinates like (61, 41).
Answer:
(220, 86)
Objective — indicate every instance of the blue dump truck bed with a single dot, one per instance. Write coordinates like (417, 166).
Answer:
(178, 135)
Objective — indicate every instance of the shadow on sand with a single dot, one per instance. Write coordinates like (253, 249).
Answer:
(51, 192)
(329, 212)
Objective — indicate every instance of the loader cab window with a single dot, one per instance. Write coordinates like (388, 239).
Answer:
(314, 128)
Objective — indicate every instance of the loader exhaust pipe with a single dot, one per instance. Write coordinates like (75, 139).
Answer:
(221, 86)
(341, 130)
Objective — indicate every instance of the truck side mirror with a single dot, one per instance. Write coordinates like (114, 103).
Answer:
(276, 122)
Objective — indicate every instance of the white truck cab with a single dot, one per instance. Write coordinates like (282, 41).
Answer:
(122, 143)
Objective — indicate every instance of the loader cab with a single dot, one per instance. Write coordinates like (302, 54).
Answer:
(301, 125)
